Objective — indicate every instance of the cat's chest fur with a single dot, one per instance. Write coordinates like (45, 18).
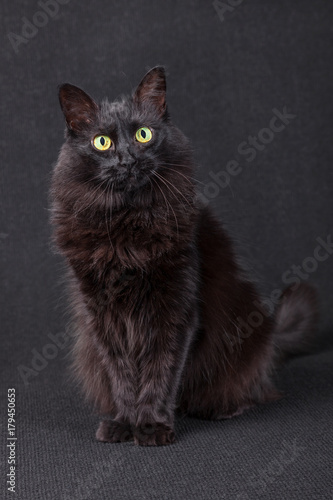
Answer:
(130, 262)
(127, 253)
(129, 239)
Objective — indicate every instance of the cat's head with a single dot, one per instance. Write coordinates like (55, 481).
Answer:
(123, 144)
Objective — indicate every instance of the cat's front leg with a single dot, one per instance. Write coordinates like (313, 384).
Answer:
(122, 380)
(159, 383)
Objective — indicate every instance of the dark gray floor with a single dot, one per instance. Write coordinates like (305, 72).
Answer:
(282, 450)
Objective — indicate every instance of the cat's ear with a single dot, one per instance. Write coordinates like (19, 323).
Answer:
(79, 108)
(152, 90)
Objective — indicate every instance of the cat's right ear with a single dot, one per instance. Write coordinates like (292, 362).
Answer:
(79, 108)
(152, 90)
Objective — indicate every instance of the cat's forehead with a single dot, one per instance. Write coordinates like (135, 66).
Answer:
(116, 111)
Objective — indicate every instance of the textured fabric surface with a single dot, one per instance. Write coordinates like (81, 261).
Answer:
(278, 451)
(232, 68)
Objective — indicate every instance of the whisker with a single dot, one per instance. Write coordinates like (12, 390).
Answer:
(167, 203)
(110, 184)
(180, 173)
(172, 185)
(94, 192)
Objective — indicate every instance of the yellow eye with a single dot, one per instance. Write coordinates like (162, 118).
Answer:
(102, 142)
(143, 134)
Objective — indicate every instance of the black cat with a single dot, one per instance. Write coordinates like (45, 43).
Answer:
(165, 319)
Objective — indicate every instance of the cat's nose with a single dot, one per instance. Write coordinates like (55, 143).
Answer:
(127, 164)
(126, 160)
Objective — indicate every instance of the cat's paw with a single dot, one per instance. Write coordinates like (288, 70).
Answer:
(110, 431)
(156, 434)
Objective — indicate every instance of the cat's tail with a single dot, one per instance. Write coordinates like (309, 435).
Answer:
(295, 320)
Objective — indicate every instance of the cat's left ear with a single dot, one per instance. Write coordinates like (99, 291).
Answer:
(79, 108)
(152, 90)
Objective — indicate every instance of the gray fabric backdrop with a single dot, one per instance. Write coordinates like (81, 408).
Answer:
(232, 66)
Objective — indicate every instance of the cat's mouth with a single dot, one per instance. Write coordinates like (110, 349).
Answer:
(126, 178)
(130, 181)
